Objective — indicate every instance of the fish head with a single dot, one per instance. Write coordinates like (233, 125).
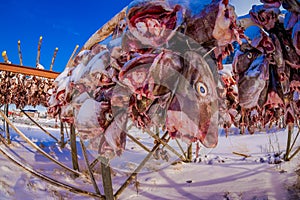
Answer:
(153, 22)
(193, 113)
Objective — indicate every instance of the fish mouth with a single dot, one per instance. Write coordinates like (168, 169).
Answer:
(209, 135)
(152, 22)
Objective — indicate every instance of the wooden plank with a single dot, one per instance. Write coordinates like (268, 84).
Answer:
(28, 70)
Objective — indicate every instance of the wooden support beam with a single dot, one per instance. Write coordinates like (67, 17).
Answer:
(241, 154)
(62, 135)
(73, 147)
(39, 51)
(5, 58)
(153, 135)
(50, 180)
(190, 153)
(181, 149)
(53, 58)
(70, 61)
(20, 53)
(142, 164)
(105, 30)
(289, 138)
(28, 70)
(24, 137)
(106, 179)
(6, 109)
(89, 168)
(138, 143)
(45, 131)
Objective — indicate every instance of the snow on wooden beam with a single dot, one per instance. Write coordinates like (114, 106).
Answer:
(28, 70)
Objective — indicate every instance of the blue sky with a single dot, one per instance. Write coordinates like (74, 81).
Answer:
(63, 24)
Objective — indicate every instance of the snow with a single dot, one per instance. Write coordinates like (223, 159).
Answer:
(217, 173)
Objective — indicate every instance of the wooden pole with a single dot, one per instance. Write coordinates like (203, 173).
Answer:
(4, 55)
(294, 141)
(6, 109)
(105, 30)
(62, 135)
(89, 168)
(138, 169)
(101, 34)
(181, 149)
(45, 131)
(47, 178)
(70, 61)
(130, 137)
(38, 51)
(53, 58)
(73, 147)
(36, 146)
(295, 153)
(138, 143)
(106, 179)
(190, 153)
(241, 154)
(182, 157)
(288, 145)
(20, 53)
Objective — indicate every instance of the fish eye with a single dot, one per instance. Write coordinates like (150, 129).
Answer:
(201, 89)
(249, 55)
(287, 47)
(108, 116)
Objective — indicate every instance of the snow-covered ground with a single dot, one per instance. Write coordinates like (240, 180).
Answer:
(216, 174)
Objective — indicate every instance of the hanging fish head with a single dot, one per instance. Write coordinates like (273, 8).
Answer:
(193, 112)
(153, 22)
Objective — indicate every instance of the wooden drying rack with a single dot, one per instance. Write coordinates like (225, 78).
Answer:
(109, 194)
(28, 70)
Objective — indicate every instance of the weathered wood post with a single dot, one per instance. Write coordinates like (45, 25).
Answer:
(73, 147)
(62, 135)
(106, 179)
(190, 153)
(6, 126)
(288, 145)
(89, 167)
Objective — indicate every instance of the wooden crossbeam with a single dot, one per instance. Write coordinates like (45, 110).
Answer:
(28, 70)
(105, 30)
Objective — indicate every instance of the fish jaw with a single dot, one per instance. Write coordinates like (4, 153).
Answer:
(190, 130)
